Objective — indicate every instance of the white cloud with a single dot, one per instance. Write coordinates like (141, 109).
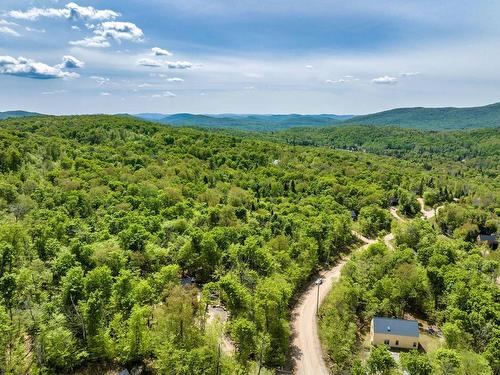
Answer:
(28, 68)
(341, 80)
(32, 30)
(74, 27)
(309, 66)
(35, 13)
(175, 79)
(385, 80)
(117, 31)
(91, 13)
(120, 31)
(105, 94)
(92, 42)
(409, 74)
(149, 62)
(55, 92)
(8, 23)
(178, 64)
(165, 94)
(101, 81)
(169, 64)
(344, 79)
(157, 51)
(144, 85)
(8, 31)
(71, 62)
(70, 11)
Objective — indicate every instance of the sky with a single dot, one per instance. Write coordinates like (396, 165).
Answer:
(247, 56)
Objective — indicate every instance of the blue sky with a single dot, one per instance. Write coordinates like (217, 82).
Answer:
(247, 56)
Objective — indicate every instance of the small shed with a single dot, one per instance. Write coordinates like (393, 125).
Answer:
(354, 215)
(187, 281)
(393, 201)
(396, 333)
(489, 239)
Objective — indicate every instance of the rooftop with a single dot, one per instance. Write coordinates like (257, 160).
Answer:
(488, 237)
(399, 327)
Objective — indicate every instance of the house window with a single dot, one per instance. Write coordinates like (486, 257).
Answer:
(414, 344)
(386, 342)
(397, 342)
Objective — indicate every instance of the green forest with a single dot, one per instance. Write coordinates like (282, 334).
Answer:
(105, 221)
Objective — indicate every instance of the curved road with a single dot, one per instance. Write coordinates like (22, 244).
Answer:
(306, 349)
(428, 214)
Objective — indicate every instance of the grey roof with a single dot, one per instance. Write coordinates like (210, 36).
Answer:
(488, 237)
(398, 327)
(187, 280)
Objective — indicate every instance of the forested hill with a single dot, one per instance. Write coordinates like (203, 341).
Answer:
(15, 114)
(476, 148)
(102, 217)
(448, 118)
(246, 122)
(417, 118)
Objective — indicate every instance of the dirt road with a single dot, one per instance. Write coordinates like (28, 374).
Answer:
(388, 241)
(306, 350)
(394, 213)
(218, 315)
(428, 214)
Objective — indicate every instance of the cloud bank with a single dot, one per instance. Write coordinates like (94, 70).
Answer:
(27, 68)
(385, 80)
(70, 11)
(157, 51)
(9, 31)
(70, 62)
(111, 30)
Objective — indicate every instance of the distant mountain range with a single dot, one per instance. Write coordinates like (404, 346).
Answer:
(448, 118)
(246, 122)
(12, 114)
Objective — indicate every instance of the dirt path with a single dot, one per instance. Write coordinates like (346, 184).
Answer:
(218, 315)
(306, 351)
(394, 213)
(388, 241)
(428, 214)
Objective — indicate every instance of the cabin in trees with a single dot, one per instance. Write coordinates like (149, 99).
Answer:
(489, 239)
(396, 333)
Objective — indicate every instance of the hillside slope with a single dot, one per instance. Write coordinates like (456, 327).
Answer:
(448, 118)
(247, 122)
(17, 114)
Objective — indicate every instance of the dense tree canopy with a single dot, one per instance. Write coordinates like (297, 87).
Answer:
(102, 217)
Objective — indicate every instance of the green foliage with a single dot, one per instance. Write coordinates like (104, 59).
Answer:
(244, 334)
(446, 361)
(416, 363)
(102, 216)
(380, 361)
(408, 203)
(429, 276)
(435, 118)
(373, 219)
(134, 238)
